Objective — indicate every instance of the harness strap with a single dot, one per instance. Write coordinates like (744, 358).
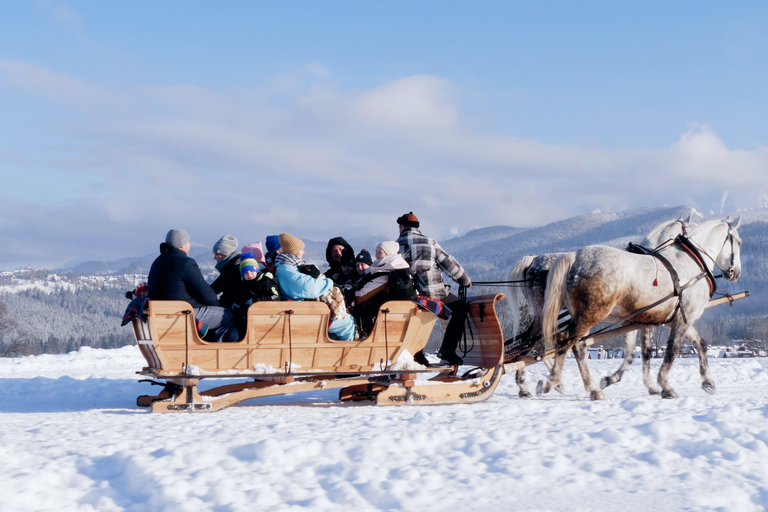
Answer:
(465, 347)
(639, 249)
(626, 320)
(695, 254)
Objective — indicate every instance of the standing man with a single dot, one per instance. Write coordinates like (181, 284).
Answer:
(429, 261)
(176, 276)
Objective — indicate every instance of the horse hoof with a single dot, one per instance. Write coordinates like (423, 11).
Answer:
(596, 395)
(653, 391)
(560, 389)
(709, 387)
(524, 394)
(668, 393)
(605, 382)
(540, 387)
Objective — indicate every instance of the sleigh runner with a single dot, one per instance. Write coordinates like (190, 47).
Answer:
(286, 350)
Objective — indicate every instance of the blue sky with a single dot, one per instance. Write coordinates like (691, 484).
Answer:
(122, 120)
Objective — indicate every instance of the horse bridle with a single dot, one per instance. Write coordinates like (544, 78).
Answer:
(732, 267)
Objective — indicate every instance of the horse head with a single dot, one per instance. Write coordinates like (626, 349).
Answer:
(719, 241)
(729, 258)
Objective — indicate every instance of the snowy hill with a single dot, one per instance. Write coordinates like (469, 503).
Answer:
(66, 310)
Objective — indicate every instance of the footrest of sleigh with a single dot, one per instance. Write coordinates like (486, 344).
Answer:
(361, 392)
(170, 390)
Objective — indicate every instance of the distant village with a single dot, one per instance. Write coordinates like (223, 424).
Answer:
(25, 277)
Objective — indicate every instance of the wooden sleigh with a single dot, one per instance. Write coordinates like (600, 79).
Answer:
(287, 350)
(524, 349)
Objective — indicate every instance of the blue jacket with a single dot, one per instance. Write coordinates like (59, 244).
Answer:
(296, 286)
(176, 276)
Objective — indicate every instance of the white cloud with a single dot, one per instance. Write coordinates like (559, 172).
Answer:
(37, 80)
(330, 162)
(414, 103)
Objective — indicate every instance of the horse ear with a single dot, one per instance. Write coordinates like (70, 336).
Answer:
(737, 223)
(728, 219)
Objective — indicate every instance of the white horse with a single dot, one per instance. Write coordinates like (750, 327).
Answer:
(533, 271)
(603, 284)
(661, 235)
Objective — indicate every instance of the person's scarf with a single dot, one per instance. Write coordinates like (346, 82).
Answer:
(224, 262)
(288, 259)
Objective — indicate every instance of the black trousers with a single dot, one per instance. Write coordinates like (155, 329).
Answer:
(455, 328)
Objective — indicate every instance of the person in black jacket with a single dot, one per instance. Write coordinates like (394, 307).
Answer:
(228, 284)
(336, 249)
(176, 276)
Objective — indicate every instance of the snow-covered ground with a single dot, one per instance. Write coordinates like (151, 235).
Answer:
(73, 439)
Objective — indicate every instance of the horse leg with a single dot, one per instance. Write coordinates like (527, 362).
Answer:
(707, 384)
(580, 351)
(556, 372)
(520, 381)
(673, 346)
(562, 342)
(646, 347)
(630, 339)
(549, 363)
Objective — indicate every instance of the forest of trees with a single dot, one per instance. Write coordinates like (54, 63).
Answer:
(38, 322)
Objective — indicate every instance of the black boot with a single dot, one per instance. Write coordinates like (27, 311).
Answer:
(420, 358)
(451, 358)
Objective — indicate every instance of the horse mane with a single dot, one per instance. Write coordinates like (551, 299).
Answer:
(665, 231)
(515, 297)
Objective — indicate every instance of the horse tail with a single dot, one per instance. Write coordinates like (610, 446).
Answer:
(553, 297)
(515, 297)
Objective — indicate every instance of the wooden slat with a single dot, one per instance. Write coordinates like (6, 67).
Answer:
(276, 338)
(485, 338)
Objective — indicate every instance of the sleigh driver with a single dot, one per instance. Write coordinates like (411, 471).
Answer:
(428, 260)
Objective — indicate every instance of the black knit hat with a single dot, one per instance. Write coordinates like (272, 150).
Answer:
(409, 220)
(364, 257)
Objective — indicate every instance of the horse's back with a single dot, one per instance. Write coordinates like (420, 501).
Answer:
(615, 283)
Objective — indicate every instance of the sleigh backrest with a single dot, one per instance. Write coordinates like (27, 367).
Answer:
(282, 336)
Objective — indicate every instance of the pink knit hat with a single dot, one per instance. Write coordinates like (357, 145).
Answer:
(256, 250)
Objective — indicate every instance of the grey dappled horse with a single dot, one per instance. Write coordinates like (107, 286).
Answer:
(533, 270)
(661, 235)
(603, 284)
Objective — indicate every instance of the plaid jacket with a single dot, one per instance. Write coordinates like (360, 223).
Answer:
(428, 259)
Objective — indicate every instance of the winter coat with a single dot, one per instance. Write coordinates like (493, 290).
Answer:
(264, 287)
(228, 284)
(335, 266)
(376, 277)
(176, 276)
(296, 286)
(428, 259)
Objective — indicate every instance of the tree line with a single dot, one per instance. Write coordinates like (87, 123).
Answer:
(58, 321)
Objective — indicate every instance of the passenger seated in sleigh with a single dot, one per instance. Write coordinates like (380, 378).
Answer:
(380, 284)
(295, 285)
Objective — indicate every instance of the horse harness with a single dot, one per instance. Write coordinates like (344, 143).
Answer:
(691, 250)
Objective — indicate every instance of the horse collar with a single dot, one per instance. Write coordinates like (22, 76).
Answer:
(695, 254)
